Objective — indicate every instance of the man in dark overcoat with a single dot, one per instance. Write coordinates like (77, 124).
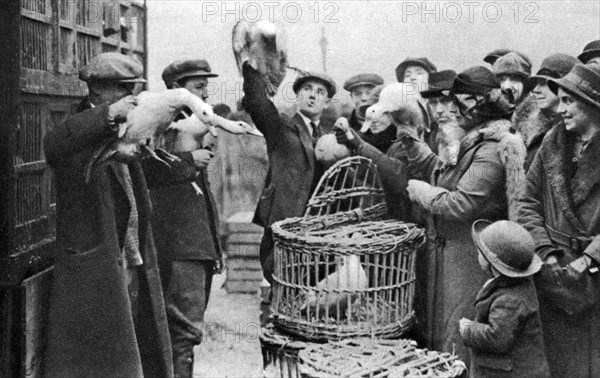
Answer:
(184, 221)
(107, 315)
(293, 171)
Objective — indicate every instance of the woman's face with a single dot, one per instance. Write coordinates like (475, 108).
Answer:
(579, 116)
(417, 75)
(514, 84)
(545, 98)
(381, 124)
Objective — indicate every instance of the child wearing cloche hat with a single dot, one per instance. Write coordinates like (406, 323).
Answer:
(506, 336)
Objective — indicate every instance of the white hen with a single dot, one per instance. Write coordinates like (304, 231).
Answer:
(393, 97)
(349, 276)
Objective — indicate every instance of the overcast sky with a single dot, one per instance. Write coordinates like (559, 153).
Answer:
(367, 36)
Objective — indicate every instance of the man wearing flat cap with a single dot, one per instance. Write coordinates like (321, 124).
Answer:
(561, 210)
(293, 170)
(360, 87)
(107, 314)
(184, 220)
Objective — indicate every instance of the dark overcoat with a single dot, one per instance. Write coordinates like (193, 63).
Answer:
(92, 219)
(184, 217)
(506, 337)
(564, 195)
(476, 189)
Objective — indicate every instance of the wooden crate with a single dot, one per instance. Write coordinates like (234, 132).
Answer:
(244, 273)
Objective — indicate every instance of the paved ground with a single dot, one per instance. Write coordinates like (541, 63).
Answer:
(231, 347)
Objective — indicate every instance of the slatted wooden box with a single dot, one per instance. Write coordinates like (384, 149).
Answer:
(244, 273)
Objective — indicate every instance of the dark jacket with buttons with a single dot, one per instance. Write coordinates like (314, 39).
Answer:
(506, 336)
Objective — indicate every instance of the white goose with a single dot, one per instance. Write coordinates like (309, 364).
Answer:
(393, 97)
(155, 111)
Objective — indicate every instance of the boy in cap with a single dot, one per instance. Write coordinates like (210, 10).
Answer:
(506, 335)
(360, 87)
(293, 170)
(184, 221)
(415, 70)
(105, 243)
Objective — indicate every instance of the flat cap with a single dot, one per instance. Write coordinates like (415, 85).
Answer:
(591, 50)
(475, 80)
(112, 66)
(421, 62)
(363, 79)
(316, 76)
(439, 82)
(186, 68)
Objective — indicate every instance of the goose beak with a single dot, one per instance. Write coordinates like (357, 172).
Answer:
(212, 130)
(255, 132)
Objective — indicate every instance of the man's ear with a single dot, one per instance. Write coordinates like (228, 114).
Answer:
(175, 85)
(327, 103)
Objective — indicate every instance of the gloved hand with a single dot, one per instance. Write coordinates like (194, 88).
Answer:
(342, 137)
(423, 193)
(202, 157)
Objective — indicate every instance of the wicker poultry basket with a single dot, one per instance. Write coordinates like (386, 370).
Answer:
(280, 353)
(341, 270)
(376, 358)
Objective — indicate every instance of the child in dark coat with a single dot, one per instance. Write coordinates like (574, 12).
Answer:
(506, 337)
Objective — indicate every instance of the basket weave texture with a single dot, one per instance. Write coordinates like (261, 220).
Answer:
(341, 270)
(376, 358)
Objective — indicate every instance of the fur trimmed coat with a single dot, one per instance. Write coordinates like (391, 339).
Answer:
(565, 195)
(533, 124)
(485, 183)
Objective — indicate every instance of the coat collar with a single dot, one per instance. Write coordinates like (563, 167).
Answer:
(571, 192)
(533, 123)
(491, 130)
(496, 283)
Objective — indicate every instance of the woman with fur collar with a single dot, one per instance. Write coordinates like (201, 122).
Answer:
(537, 114)
(561, 209)
(484, 183)
(481, 183)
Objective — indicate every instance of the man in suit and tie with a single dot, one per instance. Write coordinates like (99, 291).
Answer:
(293, 171)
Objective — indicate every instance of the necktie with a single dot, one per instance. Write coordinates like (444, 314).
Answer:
(316, 132)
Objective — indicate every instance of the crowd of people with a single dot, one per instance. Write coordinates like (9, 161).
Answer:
(508, 279)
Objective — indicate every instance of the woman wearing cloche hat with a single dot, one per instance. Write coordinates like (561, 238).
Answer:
(561, 209)
(506, 335)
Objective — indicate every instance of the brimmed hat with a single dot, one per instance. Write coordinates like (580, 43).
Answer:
(186, 68)
(421, 62)
(512, 64)
(555, 66)
(591, 50)
(317, 76)
(112, 66)
(363, 79)
(438, 82)
(492, 56)
(582, 81)
(507, 246)
(475, 80)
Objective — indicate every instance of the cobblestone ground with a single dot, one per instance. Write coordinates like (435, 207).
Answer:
(231, 347)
